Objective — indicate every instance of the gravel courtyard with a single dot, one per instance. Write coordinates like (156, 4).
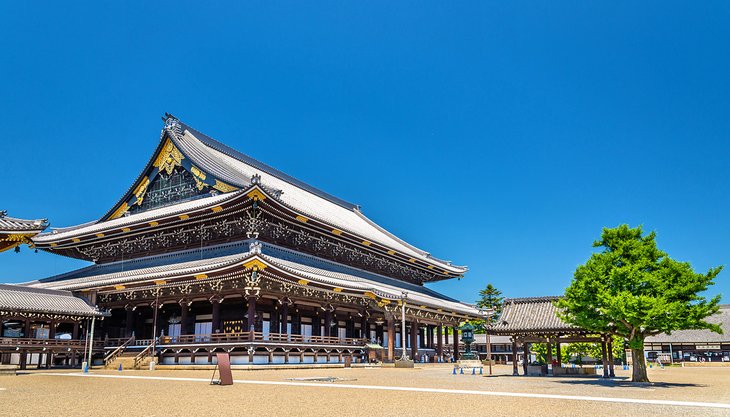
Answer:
(424, 391)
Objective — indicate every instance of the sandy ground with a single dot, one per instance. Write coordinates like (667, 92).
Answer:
(360, 392)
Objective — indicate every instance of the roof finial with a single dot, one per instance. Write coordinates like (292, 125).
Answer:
(172, 124)
(3, 213)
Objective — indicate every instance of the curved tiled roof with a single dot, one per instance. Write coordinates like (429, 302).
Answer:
(722, 318)
(191, 262)
(15, 225)
(530, 315)
(17, 298)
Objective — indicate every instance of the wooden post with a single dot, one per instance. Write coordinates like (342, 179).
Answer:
(549, 357)
(525, 356)
(611, 371)
(440, 341)
(184, 317)
(364, 328)
(391, 338)
(414, 339)
(514, 358)
(456, 342)
(75, 331)
(250, 325)
(327, 324)
(129, 324)
(215, 307)
(557, 353)
(284, 320)
(604, 358)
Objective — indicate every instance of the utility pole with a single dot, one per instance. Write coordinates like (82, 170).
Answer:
(403, 324)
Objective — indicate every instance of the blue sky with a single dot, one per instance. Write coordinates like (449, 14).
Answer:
(500, 135)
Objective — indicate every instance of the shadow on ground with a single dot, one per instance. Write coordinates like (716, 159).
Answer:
(623, 382)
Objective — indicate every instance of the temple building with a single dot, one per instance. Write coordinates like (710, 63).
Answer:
(210, 250)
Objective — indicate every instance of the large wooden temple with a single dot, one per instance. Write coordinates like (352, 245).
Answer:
(213, 251)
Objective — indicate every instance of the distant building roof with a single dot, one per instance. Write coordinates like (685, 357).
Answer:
(16, 299)
(14, 231)
(530, 315)
(699, 336)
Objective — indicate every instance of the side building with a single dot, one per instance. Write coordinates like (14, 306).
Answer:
(213, 251)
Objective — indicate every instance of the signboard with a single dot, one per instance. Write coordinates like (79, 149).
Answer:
(224, 368)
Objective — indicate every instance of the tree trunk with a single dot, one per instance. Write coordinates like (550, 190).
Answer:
(638, 369)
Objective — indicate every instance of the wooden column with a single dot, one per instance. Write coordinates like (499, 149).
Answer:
(557, 353)
(440, 341)
(364, 328)
(414, 339)
(23, 359)
(129, 324)
(184, 309)
(27, 331)
(391, 338)
(52, 330)
(215, 307)
(284, 319)
(75, 331)
(604, 358)
(549, 356)
(611, 371)
(455, 329)
(328, 323)
(251, 323)
(525, 357)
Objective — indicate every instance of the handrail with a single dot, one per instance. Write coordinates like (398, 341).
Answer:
(144, 353)
(116, 352)
(258, 337)
(46, 343)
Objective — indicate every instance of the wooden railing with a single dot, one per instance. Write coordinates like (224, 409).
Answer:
(118, 341)
(148, 351)
(26, 342)
(241, 337)
(118, 351)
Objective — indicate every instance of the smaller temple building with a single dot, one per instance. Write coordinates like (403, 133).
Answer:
(697, 346)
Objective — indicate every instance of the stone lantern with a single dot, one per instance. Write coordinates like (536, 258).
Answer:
(467, 336)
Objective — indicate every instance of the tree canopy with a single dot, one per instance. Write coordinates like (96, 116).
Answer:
(632, 289)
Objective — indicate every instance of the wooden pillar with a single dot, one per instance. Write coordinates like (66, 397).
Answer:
(514, 358)
(391, 338)
(525, 356)
(549, 357)
(215, 307)
(364, 329)
(611, 371)
(284, 321)
(129, 323)
(414, 339)
(49, 359)
(75, 331)
(604, 358)
(26, 332)
(440, 341)
(456, 342)
(52, 330)
(327, 323)
(184, 309)
(23, 359)
(558, 354)
(250, 325)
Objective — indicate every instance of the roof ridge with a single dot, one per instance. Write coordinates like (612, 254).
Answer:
(240, 156)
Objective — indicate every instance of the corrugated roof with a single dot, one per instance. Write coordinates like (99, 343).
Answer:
(702, 335)
(533, 314)
(37, 300)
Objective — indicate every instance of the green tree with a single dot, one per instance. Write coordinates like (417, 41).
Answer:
(632, 289)
(490, 298)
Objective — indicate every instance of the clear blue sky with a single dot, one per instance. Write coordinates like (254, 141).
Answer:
(499, 134)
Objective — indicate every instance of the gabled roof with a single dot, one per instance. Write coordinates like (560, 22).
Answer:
(20, 299)
(530, 315)
(240, 171)
(217, 258)
(12, 225)
(700, 335)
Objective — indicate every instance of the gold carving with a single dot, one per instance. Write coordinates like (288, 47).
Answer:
(169, 158)
(256, 195)
(141, 189)
(254, 264)
(223, 187)
(199, 177)
(120, 211)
